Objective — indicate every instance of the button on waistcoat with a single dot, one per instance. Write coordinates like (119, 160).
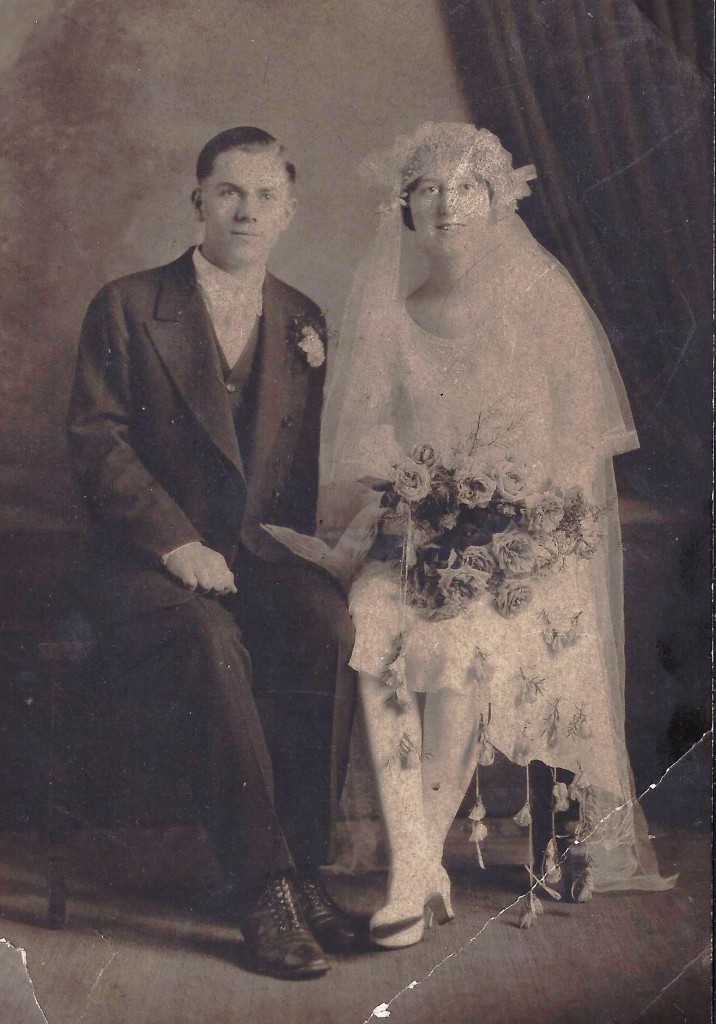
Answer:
(241, 384)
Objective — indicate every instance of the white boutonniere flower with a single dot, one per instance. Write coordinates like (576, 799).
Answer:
(312, 346)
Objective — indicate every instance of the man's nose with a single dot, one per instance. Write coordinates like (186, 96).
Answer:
(246, 209)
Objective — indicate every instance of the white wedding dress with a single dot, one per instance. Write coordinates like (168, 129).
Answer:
(535, 378)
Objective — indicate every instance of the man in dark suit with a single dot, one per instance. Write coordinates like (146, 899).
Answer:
(194, 419)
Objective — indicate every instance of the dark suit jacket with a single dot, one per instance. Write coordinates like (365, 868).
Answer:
(151, 430)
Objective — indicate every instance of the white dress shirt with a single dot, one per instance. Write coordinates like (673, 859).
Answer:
(233, 305)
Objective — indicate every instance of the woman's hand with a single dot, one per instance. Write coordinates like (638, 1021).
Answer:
(343, 560)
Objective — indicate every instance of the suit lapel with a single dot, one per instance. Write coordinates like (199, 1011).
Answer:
(183, 336)
(271, 398)
(279, 391)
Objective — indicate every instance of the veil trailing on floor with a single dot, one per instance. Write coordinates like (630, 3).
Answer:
(552, 334)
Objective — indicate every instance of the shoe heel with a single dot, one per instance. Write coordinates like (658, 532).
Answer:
(436, 906)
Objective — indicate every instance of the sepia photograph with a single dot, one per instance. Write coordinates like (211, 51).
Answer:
(356, 511)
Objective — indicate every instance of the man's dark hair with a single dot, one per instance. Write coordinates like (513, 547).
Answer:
(245, 138)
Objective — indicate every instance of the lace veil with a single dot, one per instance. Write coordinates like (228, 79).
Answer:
(364, 408)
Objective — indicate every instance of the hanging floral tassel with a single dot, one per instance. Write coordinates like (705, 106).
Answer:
(581, 785)
(478, 812)
(478, 829)
(477, 836)
(486, 751)
(581, 875)
(531, 911)
(399, 697)
(409, 752)
(486, 755)
(523, 818)
(533, 907)
(560, 797)
(552, 868)
(394, 677)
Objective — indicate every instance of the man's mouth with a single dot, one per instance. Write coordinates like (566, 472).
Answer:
(247, 234)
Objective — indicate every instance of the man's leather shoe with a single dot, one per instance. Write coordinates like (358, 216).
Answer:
(278, 937)
(332, 926)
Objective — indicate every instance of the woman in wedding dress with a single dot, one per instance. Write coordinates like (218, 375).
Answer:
(495, 360)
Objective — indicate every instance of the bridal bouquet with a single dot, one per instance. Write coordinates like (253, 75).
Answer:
(482, 528)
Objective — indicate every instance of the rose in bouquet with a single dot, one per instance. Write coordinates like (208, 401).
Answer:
(482, 528)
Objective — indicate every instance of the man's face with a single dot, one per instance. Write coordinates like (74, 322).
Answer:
(245, 204)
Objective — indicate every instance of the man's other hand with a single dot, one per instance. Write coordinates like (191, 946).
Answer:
(200, 568)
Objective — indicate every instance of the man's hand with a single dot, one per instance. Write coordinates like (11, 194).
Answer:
(200, 568)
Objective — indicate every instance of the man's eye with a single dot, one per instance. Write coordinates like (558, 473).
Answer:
(268, 195)
(468, 186)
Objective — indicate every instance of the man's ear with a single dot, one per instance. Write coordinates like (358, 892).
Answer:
(290, 208)
(196, 203)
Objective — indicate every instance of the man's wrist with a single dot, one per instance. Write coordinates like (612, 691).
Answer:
(190, 543)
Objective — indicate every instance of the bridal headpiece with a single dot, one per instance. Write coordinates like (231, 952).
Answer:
(373, 302)
(463, 146)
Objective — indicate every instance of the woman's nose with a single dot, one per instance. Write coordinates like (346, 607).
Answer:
(444, 202)
(448, 200)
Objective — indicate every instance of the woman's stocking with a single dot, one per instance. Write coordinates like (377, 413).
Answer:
(394, 737)
(449, 758)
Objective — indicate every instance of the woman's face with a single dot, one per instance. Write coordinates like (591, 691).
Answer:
(449, 207)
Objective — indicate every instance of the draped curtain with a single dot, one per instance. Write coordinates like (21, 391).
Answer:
(611, 101)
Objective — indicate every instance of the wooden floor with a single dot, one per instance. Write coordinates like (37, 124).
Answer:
(140, 956)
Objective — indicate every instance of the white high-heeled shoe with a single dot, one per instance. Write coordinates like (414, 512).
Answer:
(402, 922)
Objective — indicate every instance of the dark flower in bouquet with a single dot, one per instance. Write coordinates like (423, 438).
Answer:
(576, 511)
(438, 508)
(478, 528)
(476, 486)
(575, 502)
(480, 557)
(460, 585)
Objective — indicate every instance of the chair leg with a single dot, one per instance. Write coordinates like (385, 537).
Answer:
(54, 824)
(56, 894)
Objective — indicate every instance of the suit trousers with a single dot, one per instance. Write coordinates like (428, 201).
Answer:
(259, 687)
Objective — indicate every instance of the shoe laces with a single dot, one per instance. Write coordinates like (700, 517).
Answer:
(281, 902)
(313, 893)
